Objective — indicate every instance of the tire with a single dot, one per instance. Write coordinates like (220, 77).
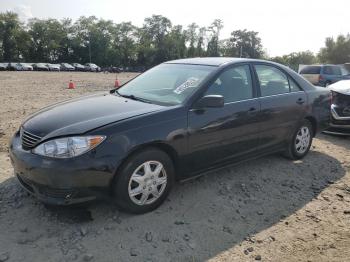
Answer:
(145, 174)
(301, 141)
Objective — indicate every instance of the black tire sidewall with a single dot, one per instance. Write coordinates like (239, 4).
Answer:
(121, 182)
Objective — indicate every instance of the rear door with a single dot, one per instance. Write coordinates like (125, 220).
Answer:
(283, 105)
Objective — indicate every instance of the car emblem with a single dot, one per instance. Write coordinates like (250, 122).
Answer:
(346, 110)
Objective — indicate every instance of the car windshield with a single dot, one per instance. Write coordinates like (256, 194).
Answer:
(168, 84)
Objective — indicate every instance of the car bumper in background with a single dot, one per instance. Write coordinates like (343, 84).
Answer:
(339, 129)
(340, 126)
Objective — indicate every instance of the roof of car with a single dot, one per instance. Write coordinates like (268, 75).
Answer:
(211, 61)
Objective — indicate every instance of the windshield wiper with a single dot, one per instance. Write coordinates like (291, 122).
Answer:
(134, 97)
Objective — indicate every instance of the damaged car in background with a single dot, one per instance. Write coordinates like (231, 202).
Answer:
(340, 108)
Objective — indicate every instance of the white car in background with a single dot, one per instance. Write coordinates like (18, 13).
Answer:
(340, 108)
(92, 67)
(54, 67)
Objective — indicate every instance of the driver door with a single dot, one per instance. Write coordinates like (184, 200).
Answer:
(220, 134)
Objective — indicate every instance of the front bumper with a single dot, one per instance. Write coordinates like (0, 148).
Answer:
(339, 125)
(61, 181)
(336, 129)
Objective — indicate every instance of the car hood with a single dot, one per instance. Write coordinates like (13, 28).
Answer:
(80, 115)
(342, 86)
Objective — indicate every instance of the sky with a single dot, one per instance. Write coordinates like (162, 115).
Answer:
(284, 26)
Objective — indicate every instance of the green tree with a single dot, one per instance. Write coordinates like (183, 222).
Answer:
(336, 51)
(124, 45)
(152, 41)
(200, 51)
(243, 43)
(293, 60)
(11, 35)
(213, 43)
(47, 38)
(192, 36)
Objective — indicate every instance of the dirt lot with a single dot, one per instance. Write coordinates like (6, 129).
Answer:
(270, 209)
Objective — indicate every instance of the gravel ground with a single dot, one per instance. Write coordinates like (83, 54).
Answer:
(270, 209)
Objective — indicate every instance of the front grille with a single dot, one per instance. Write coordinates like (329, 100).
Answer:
(29, 140)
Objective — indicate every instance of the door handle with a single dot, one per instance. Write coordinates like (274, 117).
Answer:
(300, 101)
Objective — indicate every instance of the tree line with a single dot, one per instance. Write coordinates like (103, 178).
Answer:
(123, 44)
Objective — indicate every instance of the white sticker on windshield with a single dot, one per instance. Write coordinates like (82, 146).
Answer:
(191, 82)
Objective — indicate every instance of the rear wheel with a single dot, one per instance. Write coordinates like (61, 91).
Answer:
(301, 141)
(144, 181)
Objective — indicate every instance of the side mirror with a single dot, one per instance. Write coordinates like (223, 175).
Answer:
(210, 101)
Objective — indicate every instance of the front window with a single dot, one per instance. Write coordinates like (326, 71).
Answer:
(234, 84)
(168, 84)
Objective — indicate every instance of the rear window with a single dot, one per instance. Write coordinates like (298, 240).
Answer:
(310, 70)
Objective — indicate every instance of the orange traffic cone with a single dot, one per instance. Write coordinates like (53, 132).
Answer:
(116, 83)
(71, 85)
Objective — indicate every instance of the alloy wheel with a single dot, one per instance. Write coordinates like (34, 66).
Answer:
(302, 140)
(147, 183)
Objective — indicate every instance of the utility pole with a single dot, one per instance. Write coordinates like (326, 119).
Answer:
(90, 47)
(240, 53)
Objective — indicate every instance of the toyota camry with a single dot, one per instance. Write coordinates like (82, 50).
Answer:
(172, 122)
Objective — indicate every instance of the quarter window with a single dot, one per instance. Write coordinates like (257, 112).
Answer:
(234, 84)
(272, 81)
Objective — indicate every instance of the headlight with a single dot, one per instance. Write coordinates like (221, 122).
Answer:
(68, 146)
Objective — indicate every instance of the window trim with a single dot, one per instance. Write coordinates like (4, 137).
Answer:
(257, 81)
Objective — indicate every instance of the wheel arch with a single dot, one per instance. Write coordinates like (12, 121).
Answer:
(313, 122)
(166, 148)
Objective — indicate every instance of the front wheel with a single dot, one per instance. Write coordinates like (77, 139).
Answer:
(301, 141)
(144, 181)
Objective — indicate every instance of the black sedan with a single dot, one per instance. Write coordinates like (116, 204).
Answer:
(79, 67)
(67, 67)
(40, 67)
(170, 123)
